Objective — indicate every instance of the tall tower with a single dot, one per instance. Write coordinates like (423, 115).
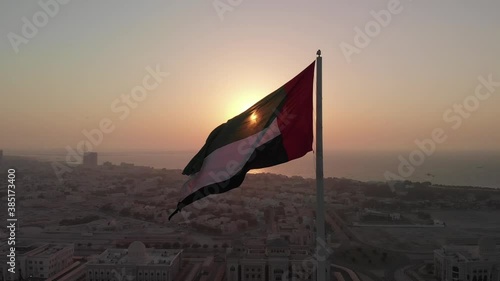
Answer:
(90, 159)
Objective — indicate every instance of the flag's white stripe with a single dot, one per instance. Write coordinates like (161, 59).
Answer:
(226, 161)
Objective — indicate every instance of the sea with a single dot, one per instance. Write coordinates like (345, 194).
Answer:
(456, 168)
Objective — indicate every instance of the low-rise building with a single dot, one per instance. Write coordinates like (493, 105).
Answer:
(137, 262)
(468, 262)
(41, 261)
(274, 260)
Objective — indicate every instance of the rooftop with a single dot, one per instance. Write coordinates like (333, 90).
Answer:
(469, 253)
(137, 253)
(44, 250)
(51, 249)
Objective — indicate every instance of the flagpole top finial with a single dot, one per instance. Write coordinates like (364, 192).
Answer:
(318, 53)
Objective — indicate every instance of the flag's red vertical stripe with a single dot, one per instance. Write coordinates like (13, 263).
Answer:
(296, 116)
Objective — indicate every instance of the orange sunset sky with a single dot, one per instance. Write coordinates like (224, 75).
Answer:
(66, 78)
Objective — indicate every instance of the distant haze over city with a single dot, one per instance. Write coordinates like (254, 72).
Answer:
(468, 168)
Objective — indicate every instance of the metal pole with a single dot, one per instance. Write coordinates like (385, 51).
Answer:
(320, 211)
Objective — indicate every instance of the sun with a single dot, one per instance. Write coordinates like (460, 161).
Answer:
(253, 117)
(241, 102)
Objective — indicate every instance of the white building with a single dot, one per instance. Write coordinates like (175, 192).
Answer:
(135, 263)
(40, 261)
(274, 261)
(468, 263)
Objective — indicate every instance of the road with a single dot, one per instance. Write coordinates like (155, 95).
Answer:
(400, 275)
(347, 273)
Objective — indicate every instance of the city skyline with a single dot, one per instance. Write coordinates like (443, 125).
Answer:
(112, 220)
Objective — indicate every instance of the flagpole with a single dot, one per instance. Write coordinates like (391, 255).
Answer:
(320, 211)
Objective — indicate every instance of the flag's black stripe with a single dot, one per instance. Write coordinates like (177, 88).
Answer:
(271, 153)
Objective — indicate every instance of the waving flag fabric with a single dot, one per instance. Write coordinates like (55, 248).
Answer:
(275, 130)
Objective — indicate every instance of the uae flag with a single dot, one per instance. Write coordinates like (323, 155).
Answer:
(275, 130)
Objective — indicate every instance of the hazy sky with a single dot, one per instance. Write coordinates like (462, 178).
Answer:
(66, 78)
